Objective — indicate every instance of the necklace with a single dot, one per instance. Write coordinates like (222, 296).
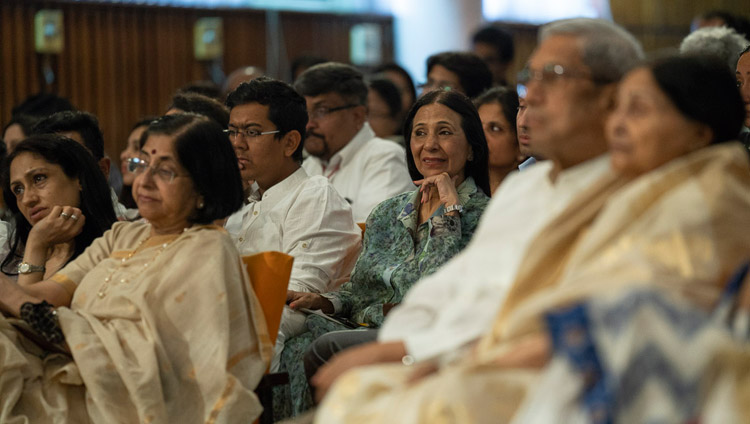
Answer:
(125, 280)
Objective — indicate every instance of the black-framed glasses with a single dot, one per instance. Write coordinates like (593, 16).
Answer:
(138, 166)
(248, 133)
(321, 112)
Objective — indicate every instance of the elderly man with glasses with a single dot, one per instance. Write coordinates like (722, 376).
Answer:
(366, 170)
(287, 210)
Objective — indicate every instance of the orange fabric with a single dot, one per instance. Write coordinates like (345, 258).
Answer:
(362, 227)
(269, 274)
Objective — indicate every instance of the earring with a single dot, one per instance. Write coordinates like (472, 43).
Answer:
(200, 204)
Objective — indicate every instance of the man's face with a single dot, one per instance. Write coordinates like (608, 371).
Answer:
(564, 108)
(260, 156)
(488, 53)
(332, 123)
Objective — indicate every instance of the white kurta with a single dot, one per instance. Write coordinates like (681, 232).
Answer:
(456, 305)
(367, 171)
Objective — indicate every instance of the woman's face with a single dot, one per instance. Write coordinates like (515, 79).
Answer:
(379, 116)
(166, 202)
(13, 135)
(438, 142)
(131, 151)
(501, 136)
(743, 81)
(646, 130)
(40, 185)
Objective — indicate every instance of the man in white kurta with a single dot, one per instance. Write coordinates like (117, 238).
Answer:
(366, 170)
(287, 210)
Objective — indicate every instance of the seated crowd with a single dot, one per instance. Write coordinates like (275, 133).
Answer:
(502, 234)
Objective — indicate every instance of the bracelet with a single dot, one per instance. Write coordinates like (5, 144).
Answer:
(42, 317)
(458, 208)
(408, 360)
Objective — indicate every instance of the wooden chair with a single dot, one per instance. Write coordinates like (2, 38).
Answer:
(269, 275)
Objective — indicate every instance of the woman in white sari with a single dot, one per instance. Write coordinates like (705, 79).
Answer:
(674, 216)
(154, 322)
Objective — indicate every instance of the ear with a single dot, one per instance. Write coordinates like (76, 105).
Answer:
(608, 97)
(290, 142)
(702, 136)
(360, 115)
(104, 164)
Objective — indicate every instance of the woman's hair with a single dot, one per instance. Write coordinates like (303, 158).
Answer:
(387, 91)
(204, 151)
(76, 162)
(472, 72)
(508, 100)
(471, 125)
(394, 67)
(704, 90)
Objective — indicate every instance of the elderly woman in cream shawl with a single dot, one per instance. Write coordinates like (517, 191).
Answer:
(144, 326)
(675, 214)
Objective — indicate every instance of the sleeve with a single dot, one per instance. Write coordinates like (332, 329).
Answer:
(323, 239)
(101, 248)
(385, 175)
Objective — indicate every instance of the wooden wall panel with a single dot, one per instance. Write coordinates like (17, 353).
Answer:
(123, 62)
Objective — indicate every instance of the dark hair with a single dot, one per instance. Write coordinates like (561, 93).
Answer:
(389, 93)
(42, 105)
(508, 100)
(394, 67)
(205, 152)
(745, 50)
(704, 90)
(143, 122)
(498, 38)
(76, 162)
(207, 88)
(81, 122)
(332, 77)
(472, 72)
(201, 105)
(286, 108)
(304, 62)
(478, 166)
(26, 122)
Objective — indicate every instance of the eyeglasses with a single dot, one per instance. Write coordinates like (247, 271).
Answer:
(137, 166)
(321, 112)
(247, 132)
(549, 73)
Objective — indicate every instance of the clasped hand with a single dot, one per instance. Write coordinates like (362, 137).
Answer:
(445, 186)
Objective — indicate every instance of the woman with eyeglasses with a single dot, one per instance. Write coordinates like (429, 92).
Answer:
(156, 320)
(59, 202)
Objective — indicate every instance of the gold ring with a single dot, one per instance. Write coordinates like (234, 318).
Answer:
(64, 215)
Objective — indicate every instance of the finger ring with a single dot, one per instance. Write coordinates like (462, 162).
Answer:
(64, 215)
(74, 217)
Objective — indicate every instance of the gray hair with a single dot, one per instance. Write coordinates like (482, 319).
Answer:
(722, 42)
(607, 48)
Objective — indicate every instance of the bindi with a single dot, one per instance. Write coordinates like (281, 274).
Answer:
(153, 151)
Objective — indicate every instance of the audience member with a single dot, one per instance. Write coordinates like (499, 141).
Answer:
(407, 237)
(240, 75)
(197, 103)
(18, 128)
(494, 46)
(132, 150)
(384, 109)
(42, 105)
(364, 169)
(205, 88)
(403, 81)
(59, 202)
(569, 95)
(498, 108)
(288, 211)
(721, 42)
(461, 71)
(82, 127)
(719, 18)
(301, 63)
(524, 138)
(141, 303)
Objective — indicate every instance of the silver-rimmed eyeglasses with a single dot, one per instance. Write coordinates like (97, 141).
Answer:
(248, 133)
(137, 166)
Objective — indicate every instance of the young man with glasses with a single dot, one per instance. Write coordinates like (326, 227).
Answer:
(287, 210)
(366, 170)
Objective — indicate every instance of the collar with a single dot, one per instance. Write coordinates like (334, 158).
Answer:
(409, 215)
(345, 155)
(581, 171)
(275, 193)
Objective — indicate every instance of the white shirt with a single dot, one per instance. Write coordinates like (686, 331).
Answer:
(306, 218)
(458, 303)
(366, 171)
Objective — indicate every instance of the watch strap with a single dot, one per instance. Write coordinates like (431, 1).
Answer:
(27, 268)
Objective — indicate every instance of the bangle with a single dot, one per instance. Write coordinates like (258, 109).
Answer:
(42, 317)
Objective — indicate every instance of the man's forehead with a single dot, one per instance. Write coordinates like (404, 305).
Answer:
(248, 113)
(564, 50)
(323, 99)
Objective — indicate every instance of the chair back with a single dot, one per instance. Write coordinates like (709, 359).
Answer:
(269, 275)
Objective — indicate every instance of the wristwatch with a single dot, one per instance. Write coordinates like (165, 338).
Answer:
(27, 268)
(451, 208)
